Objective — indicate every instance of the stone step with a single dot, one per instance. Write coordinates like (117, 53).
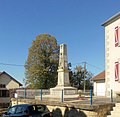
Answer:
(117, 104)
(113, 115)
(114, 112)
(115, 109)
(109, 115)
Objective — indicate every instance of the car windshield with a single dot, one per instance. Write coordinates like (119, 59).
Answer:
(20, 109)
(11, 110)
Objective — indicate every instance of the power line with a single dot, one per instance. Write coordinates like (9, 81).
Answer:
(94, 66)
(76, 63)
(18, 65)
(87, 64)
(7, 64)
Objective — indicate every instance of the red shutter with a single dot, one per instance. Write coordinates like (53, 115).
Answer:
(116, 36)
(116, 71)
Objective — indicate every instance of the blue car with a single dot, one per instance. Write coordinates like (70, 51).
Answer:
(28, 110)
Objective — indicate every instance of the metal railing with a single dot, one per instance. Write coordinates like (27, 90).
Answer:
(31, 93)
(89, 95)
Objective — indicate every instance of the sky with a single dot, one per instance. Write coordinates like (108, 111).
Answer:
(76, 23)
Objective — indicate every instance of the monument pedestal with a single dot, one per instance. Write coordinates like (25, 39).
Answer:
(67, 92)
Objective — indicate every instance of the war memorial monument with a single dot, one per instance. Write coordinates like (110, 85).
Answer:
(63, 87)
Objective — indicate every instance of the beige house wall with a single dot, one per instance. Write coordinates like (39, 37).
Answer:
(10, 83)
(112, 55)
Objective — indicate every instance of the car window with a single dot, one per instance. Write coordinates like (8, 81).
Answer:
(32, 109)
(19, 109)
(12, 110)
(40, 108)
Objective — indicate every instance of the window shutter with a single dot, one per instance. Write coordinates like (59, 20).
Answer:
(116, 71)
(117, 36)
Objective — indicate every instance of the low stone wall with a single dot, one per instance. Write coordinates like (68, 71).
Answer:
(66, 109)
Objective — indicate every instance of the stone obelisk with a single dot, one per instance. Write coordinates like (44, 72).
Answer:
(63, 73)
(63, 77)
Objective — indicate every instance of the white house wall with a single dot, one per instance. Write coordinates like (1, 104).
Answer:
(99, 88)
(112, 55)
(95, 88)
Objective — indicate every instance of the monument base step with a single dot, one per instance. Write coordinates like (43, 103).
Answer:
(58, 90)
(58, 98)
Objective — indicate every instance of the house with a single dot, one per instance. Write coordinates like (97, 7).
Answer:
(99, 84)
(109, 80)
(7, 84)
(112, 55)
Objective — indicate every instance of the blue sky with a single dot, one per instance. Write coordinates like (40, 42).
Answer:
(76, 23)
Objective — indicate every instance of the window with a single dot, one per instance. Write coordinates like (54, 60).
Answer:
(4, 105)
(12, 110)
(117, 36)
(19, 109)
(4, 93)
(116, 71)
(2, 86)
(40, 108)
(32, 109)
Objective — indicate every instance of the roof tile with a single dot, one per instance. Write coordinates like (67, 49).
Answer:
(99, 76)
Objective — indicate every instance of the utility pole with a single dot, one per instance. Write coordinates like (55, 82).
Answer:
(84, 75)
